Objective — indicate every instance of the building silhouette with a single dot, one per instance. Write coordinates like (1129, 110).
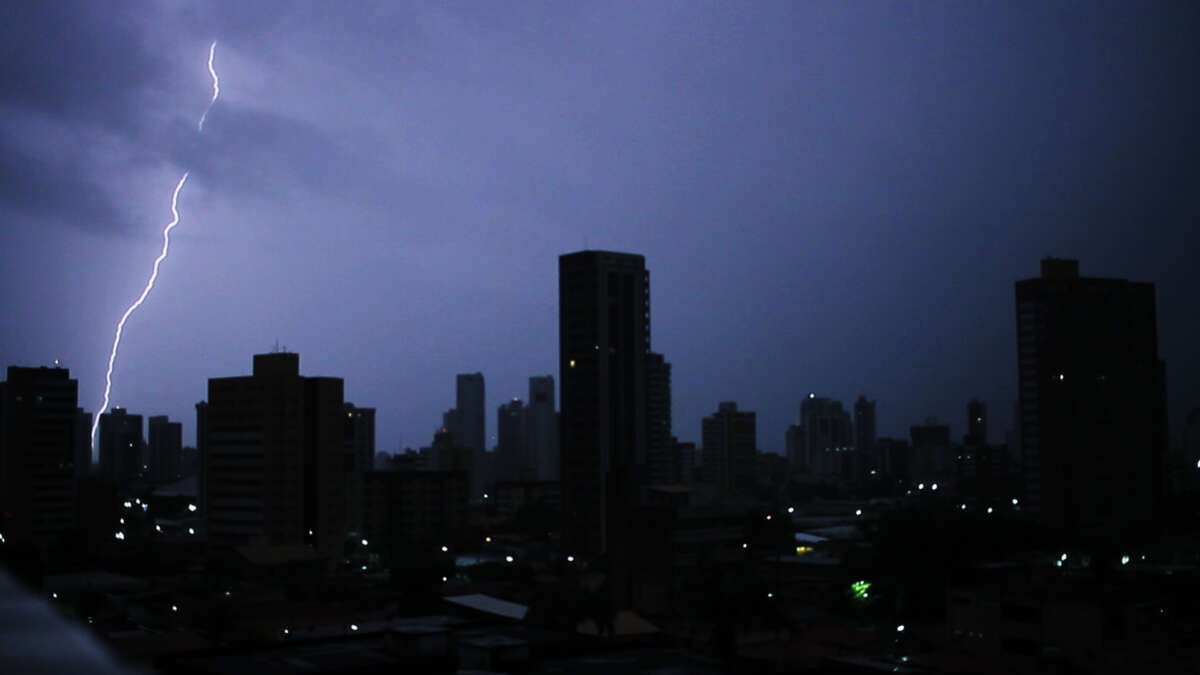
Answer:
(358, 456)
(541, 428)
(121, 440)
(730, 444)
(932, 449)
(976, 422)
(470, 402)
(511, 456)
(166, 447)
(38, 449)
(1092, 401)
(827, 434)
(864, 425)
(274, 444)
(661, 463)
(604, 336)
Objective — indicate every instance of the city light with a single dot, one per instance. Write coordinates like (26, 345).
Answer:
(174, 608)
(1063, 557)
(770, 595)
(570, 558)
(801, 550)
(353, 626)
(191, 530)
(989, 509)
(128, 505)
(900, 628)
(445, 549)
(1124, 560)
(54, 595)
(860, 588)
(791, 509)
(286, 631)
(192, 508)
(920, 486)
(508, 558)
(934, 486)
(487, 540)
(364, 542)
(1014, 501)
(745, 545)
(120, 536)
(858, 512)
(963, 507)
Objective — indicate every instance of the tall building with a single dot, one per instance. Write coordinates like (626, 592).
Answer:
(827, 436)
(83, 445)
(796, 449)
(470, 425)
(1092, 401)
(275, 464)
(510, 448)
(38, 445)
(358, 456)
(202, 456)
(864, 428)
(932, 449)
(976, 422)
(661, 463)
(604, 336)
(120, 440)
(541, 428)
(166, 445)
(730, 444)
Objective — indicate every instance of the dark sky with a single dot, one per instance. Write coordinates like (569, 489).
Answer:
(832, 197)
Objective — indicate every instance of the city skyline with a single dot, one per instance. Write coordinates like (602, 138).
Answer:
(846, 227)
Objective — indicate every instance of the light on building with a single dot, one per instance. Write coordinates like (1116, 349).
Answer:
(192, 508)
(571, 364)
(900, 628)
(811, 395)
(745, 545)
(570, 558)
(364, 568)
(54, 595)
(121, 521)
(128, 505)
(364, 542)
(487, 540)
(1063, 557)
(920, 486)
(962, 507)
(310, 533)
(120, 535)
(934, 486)
(989, 509)
(1061, 377)
(768, 516)
(791, 509)
(443, 580)
(191, 530)
(858, 512)
(174, 608)
(158, 529)
(770, 595)
(445, 549)
(353, 626)
(485, 496)
(286, 631)
(1124, 560)
(1014, 501)
(508, 558)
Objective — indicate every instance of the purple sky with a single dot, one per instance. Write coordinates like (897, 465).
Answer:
(833, 197)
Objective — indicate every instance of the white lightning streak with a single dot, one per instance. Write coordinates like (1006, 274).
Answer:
(112, 357)
(212, 50)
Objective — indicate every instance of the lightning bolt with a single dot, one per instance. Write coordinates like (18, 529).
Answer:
(112, 357)
(212, 50)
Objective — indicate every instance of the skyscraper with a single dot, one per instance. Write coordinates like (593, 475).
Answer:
(510, 448)
(358, 453)
(864, 425)
(1092, 401)
(38, 442)
(976, 422)
(827, 436)
(730, 443)
(541, 428)
(275, 462)
(661, 464)
(470, 402)
(166, 444)
(604, 335)
(120, 440)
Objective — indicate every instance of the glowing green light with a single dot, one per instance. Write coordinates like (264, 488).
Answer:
(860, 588)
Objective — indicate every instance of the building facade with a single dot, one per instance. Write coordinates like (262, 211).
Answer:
(1092, 401)
(730, 442)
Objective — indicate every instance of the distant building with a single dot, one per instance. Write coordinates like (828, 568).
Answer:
(512, 460)
(358, 457)
(39, 417)
(827, 437)
(166, 448)
(864, 426)
(976, 422)
(121, 441)
(661, 464)
(932, 449)
(730, 448)
(685, 461)
(1092, 401)
(895, 458)
(797, 452)
(275, 461)
(415, 506)
(604, 336)
(83, 445)
(202, 456)
(470, 401)
(541, 428)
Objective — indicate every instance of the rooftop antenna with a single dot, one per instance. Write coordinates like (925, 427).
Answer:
(275, 349)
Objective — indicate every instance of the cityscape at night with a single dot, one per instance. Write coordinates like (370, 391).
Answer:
(812, 337)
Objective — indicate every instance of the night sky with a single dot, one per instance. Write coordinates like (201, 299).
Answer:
(831, 196)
